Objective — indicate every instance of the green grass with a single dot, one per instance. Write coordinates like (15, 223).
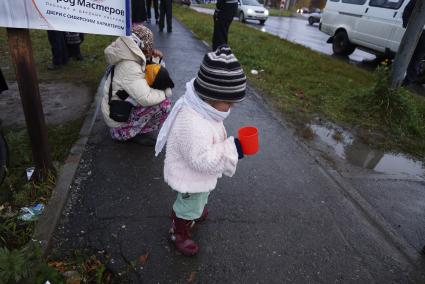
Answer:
(279, 12)
(304, 84)
(207, 5)
(87, 72)
(16, 192)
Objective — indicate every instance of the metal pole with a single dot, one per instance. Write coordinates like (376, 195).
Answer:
(408, 44)
(21, 51)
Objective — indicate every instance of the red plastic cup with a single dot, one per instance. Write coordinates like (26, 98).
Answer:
(248, 136)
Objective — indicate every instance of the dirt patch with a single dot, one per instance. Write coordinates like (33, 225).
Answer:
(62, 102)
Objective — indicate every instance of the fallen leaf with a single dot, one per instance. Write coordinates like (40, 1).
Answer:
(143, 258)
(58, 265)
(192, 277)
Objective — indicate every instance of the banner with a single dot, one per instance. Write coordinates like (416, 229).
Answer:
(108, 17)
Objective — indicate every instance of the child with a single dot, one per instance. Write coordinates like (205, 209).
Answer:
(198, 150)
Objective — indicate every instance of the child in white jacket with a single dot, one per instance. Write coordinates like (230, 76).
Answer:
(198, 151)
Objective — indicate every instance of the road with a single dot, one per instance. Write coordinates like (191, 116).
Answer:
(297, 30)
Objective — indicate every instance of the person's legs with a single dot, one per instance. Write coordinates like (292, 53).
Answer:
(161, 15)
(138, 11)
(74, 51)
(187, 208)
(155, 9)
(222, 21)
(158, 116)
(415, 64)
(142, 120)
(148, 9)
(169, 13)
(59, 50)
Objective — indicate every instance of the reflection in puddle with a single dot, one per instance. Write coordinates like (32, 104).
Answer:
(346, 147)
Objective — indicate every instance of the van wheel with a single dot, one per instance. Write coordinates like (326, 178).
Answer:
(262, 22)
(241, 17)
(310, 21)
(341, 45)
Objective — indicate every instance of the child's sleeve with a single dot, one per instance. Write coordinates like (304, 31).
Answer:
(135, 84)
(203, 155)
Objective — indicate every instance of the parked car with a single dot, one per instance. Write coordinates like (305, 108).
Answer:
(252, 10)
(372, 25)
(303, 10)
(314, 18)
(375, 26)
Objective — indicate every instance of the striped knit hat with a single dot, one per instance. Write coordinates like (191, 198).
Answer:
(221, 77)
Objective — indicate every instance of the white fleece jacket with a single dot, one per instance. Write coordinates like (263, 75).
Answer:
(198, 152)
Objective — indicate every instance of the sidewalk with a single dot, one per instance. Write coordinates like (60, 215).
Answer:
(280, 219)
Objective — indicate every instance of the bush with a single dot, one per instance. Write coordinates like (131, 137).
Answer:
(396, 109)
(26, 266)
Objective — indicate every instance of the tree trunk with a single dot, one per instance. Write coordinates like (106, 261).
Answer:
(26, 76)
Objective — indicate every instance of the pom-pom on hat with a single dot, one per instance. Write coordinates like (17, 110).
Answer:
(221, 77)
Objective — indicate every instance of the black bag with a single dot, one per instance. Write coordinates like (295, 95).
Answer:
(119, 110)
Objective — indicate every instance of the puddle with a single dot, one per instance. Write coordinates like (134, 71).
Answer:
(359, 154)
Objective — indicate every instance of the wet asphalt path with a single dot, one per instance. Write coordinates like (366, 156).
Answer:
(280, 219)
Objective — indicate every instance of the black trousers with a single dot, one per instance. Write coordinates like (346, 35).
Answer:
(59, 48)
(155, 8)
(419, 54)
(222, 20)
(138, 11)
(165, 10)
(74, 49)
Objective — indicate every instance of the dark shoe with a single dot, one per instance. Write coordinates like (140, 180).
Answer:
(169, 30)
(180, 235)
(144, 139)
(79, 57)
(161, 30)
(54, 67)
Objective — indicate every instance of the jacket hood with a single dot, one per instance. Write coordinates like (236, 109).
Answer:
(124, 48)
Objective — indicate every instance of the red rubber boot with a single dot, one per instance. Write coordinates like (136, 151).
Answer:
(181, 236)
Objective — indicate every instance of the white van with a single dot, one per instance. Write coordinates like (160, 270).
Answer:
(372, 25)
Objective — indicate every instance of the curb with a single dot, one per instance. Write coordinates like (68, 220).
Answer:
(48, 221)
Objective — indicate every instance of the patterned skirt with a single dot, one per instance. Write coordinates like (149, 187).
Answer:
(142, 120)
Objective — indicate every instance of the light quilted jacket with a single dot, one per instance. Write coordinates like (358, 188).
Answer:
(129, 75)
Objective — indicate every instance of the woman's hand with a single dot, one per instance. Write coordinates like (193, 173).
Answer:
(157, 53)
(168, 92)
